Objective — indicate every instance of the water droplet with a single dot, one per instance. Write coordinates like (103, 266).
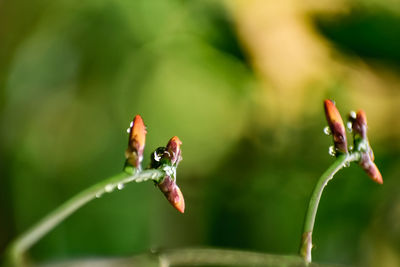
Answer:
(363, 147)
(120, 186)
(349, 126)
(98, 195)
(128, 130)
(351, 148)
(353, 114)
(109, 188)
(332, 151)
(131, 124)
(156, 156)
(327, 130)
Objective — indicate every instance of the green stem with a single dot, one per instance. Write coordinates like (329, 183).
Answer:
(306, 240)
(223, 257)
(21, 244)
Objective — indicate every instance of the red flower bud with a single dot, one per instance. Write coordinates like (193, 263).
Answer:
(172, 192)
(361, 143)
(167, 158)
(136, 142)
(174, 150)
(359, 125)
(370, 168)
(336, 125)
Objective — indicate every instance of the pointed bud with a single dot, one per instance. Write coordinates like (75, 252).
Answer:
(359, 124)
(370, 168)
(167, 159)
(172, 192)
(174, 150)
(136, 142)
(336, 125)
(361, 144)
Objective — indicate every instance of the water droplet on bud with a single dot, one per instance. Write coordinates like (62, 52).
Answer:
(327, 130)
(131, 124)
(349, 126)
(353, 114)
(363, 147)
(128, 130)
(332, 151)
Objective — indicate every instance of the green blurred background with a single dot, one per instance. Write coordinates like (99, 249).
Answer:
(240, 82)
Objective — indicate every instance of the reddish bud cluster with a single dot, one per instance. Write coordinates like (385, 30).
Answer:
(170, 156)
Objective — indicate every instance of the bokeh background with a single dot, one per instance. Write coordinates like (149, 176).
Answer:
(240, 82)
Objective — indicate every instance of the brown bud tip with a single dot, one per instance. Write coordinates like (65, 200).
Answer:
(375, 174)
(336, 125)
(370, 168)
(362, 117)
(360, 124)
(137, 137)
(172, 192)
(174, 149)
(179, 202)
(136, 142)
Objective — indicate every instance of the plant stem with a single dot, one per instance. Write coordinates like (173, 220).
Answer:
(21, 244)
(306, 240)
(223, 257)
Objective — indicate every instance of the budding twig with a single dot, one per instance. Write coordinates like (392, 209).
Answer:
(132, 173)
(362, 153)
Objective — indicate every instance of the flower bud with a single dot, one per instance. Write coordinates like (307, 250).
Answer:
(167, 159)
(361, 144)
(136, 142)
(172, 192)
(359, 125)
(336, 125)
(174, 150)
(370, 168)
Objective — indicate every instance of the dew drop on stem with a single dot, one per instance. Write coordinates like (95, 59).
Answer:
(327, 130)
(128, 130)
(109, 188)
(120, 186)
(332, 151)
(363, 147)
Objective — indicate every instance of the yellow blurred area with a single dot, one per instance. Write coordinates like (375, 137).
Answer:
(296, 66)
